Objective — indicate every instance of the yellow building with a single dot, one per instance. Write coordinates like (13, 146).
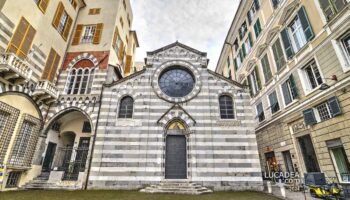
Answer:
(294, 56)
(54, 57)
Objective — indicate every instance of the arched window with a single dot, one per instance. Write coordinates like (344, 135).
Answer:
(226, 107)
(80, 81)
(126, 107)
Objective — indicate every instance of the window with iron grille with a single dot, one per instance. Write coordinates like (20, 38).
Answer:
(126, 107)
(274, 105)
(323, 111)
(8, 119)
(89, 33)
(12, 180)
(313, 75)
(25, 142)
(226, 107)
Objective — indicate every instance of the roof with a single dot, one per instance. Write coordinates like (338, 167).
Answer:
(176, 44)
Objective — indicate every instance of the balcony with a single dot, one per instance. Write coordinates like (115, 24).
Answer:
(46, 91)
(14, 70)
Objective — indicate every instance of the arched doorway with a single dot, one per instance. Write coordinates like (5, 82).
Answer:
(68, 144)
(176, 152)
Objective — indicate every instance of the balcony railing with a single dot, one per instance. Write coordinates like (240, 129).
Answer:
(46, 91)
(13, 69)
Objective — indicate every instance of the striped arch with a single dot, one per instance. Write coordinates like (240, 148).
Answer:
(83, 56)
(176, 113)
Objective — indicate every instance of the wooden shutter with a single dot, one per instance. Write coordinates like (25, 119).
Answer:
(236, 66)
(98, 33)
(22, 39)
(287, 44)
(58, 15)
(51, 66)
(43, 5)
(250, 39)
(250, 85)
(286, 95)
(77, 34)
(257, 77)
(327, 8)
(309, 117)
(115, 36)
(121, 51)
(128, 64)
(309, 34)
(334, 106)
(67, 27)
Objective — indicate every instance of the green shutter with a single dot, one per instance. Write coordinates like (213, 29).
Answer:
(236, 67)
(309, 34)
(293, 87)
(250, 39)
(309, 117)
(244, 51)
(286, 94)
(334, 106)
(287, 44)
(257, 77)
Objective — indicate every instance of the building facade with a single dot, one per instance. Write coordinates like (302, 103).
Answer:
(55, 56)
(294, 56)
(175, 120)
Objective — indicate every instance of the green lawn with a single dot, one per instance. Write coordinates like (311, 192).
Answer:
(126, 195)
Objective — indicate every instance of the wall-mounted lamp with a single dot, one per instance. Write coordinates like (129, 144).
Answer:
(325, 86)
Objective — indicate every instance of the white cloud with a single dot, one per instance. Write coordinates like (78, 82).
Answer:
(201, 24)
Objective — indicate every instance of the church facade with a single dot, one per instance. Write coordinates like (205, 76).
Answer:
(175, 120)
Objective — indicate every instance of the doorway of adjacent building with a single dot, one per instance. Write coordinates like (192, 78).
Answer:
(288, 161)
(50, 154)
(309, 155)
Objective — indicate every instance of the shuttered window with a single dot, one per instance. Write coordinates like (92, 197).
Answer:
(289, 90)
(73, 3)
(254, 81)
(332, 7)
(278, 55)
(266, 68)
(121, 51)
(322, 112)
(313, 75)
(22, 39)
(287, 43)
(62, 22)
(42, 4)
(128, 64)
(226, 107)
(274, 105)
(77, 34)
(51, 66)
(346, 44)
(94, 11)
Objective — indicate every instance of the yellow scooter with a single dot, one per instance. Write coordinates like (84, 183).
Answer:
(329, 191)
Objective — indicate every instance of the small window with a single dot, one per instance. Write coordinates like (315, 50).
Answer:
(274, 105)
(12, 180)
(56, 126)
(260, 112)
(275, 3)
(89, 34)
(323, 111)
(126, 107)
(73, 3)
(254, 82)
(248, 44)
(121, 22)
(226, 107)
(124, 4)
(62, 22)
(313, 76)
(243, 30)
(94, 11)
(86, 127)
(297, 34)
(42, 4)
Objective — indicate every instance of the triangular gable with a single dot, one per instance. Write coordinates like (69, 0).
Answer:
(176, 112)
(150, 53)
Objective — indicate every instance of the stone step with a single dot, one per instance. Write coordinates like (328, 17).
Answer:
(177, 187)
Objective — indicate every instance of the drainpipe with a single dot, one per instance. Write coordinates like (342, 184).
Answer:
(94, 140)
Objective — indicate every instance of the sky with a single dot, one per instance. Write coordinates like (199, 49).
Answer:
(200, 24)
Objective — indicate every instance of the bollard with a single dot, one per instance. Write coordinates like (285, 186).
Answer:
(269, 188)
